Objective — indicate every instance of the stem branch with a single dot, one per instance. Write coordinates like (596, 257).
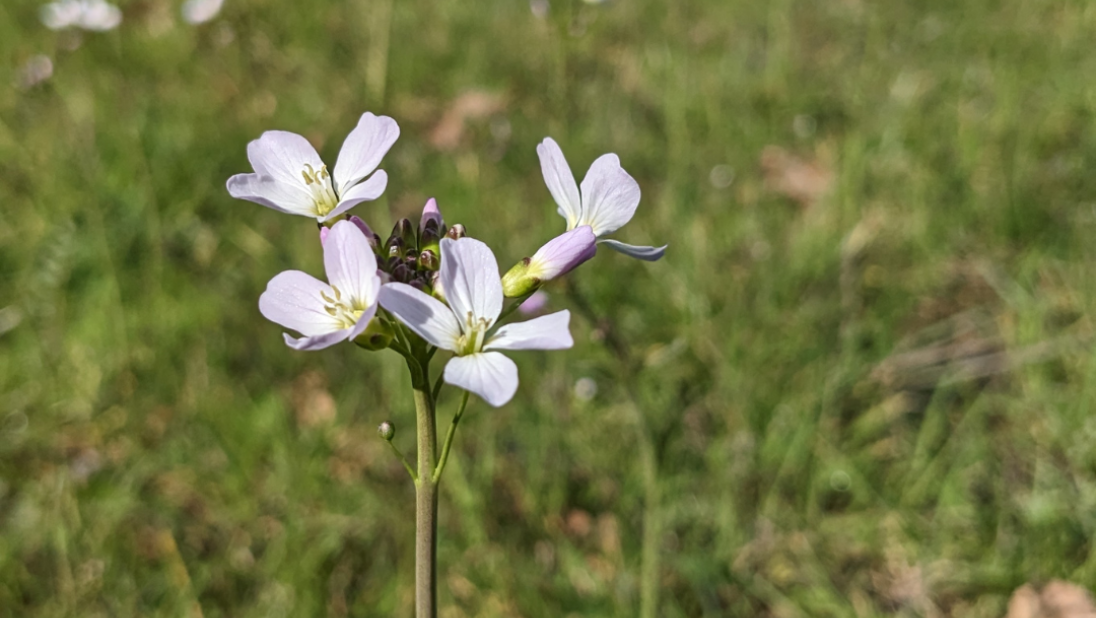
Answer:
(449, 437)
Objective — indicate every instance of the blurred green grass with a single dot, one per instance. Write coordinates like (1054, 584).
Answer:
(159, 444)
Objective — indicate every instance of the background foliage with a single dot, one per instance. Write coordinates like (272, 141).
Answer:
(865, 364)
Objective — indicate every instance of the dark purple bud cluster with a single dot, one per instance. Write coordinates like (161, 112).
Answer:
(412, 254)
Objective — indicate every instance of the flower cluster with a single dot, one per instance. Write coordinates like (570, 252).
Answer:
(427, 284)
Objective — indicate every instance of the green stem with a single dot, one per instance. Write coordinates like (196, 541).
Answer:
(426, 504)
(403, 460)
(449, 437)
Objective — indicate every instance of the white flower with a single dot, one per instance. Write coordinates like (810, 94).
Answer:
(470, 277)
(290, 177)
(327, 313)
(97, 15)
(608, 200)
(200, 11)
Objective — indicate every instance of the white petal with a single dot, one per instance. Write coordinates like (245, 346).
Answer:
(363, 149)
(609, 196)
(560, 181)
(470, 277)
(649, 254)
(100, 16)
(293, 299)
(548, 332)
(490, 375)
(422, 313)
(317, 342)
(366, 191)
(201, 11)
(283, 155)
(271, 193)
(350, 264)
(59, 15)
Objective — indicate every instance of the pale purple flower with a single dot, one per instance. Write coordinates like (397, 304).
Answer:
(608, 199)
(534, 304)
(200, 11)
(290, 177)
(327, 313)
(470, 276)
(430, 212)
(95, 15)
(563, 253)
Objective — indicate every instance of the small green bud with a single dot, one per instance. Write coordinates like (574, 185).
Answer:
(431, 237)
(405, 231)
(386, 431)
(428, 260)
(376, 336)
(518, 282)
(456, 231)
(395, 246)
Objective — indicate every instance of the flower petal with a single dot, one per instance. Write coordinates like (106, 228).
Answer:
(549, 332)
(430, 212)
(292, 299)
(470, 277)
(422, 313)
(271, 193)
(366, 191)
(609, 196)
(317, 342)
(363, 149)
(282, 156)
(490, 375)
(649, 254)
(350, 264)
(563, 253)
(363, 322)
(560, 181)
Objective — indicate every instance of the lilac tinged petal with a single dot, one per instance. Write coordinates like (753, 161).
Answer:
(430, 212)
(364, 227)
(282, 156)
(490, 375)
(350, 264)
(560, 181)
(470, 277)
(563, 253)
(649, 254)
(293, 299)
(549, 332)
(363, 149)
(534, 304)
(324, 233)
(317, 342)
(609, 195)
(366, 191)
(422, 313)
(271, 193)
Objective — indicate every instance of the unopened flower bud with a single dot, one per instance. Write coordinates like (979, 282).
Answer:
(404, 231)
(386, 431)
(557, 257)
(456, 231)
(395, 246)
(430, 238)
(376, 336)
(402, 273)
(429, 260)
(370, 235)
(430, 215)
(418, 284)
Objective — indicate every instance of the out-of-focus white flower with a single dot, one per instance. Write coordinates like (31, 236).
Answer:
(290, 177)
(36, 70)
(470, 277)
(200, 11)
(534, 304)
(585, 389)
(608, 199)
(95, 15)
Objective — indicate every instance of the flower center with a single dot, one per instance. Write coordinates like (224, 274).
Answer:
(475, 331)
(346, 311)
(318, 182)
